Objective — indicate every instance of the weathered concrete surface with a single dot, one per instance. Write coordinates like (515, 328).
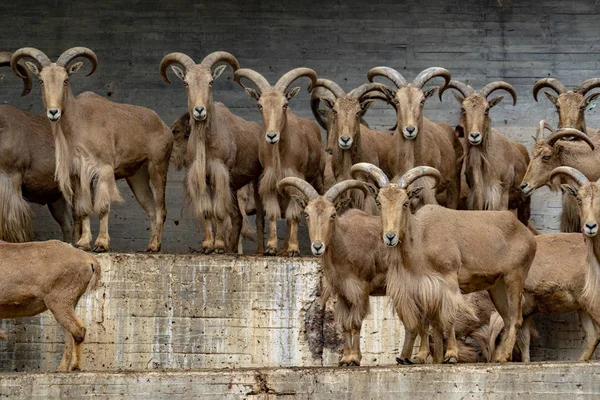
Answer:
(195, 311)
(531, 381)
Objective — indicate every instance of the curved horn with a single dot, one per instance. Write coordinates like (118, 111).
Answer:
(587, 85)
(387, 72)
(37, 56)
(419, 172)
(286, 80)
(463, 88)
(569, 132)
(540, 132)
(257, 79)
(373, 171)
(365, 88)
(23, 71)
(499, 85)
(219, 56)
(571, 172)
(431, 73)
(336, 190)
(331, 86)
(376, 95)
(299, 184)
(550, 83)
(175, 58)
(74, 52)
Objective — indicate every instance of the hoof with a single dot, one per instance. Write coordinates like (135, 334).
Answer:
(293, 253)
(150, 249)
(354, 364)
(83, 247)
(207, 250)
(219, 250)
(100, 249)
(270, 252)
(416, 360)
(450, 360)
(403, 361)
(76, 369)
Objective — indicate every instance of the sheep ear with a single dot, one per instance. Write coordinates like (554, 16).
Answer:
(328, 102)
(32, 67)
(495, 101)
(458, 97)
(551, 97)
(569, 190)
(253, 93)
(292, 93)
(342, 205)
(178, 71)
(218, 71)
(75, 67)
(429, 92)
(372, 189)
(301, 201)
(459, 131)
(590, 100)
(416, 192)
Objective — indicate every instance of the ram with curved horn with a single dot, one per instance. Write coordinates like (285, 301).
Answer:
(352, 142)
(420, 141)
(439, 253)
(27, 169)
(98, 141)
(494, 166)
(550, 152)
(222, 153)
(291, 147)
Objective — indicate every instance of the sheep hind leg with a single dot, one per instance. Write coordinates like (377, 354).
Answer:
(507, 299)
(208, 244)
(158, 178)
(64, 312)
(260, 221)
(451, 356)
(102, 243)
(271, 249)
(85, 239)
(63, 214)
(355, 353)
(140, 186)
(293, 249)
(524, 338)
(424, 350)
(407, 347)
(438, 344)
(106, 192)
(591, 335)
(347, 352)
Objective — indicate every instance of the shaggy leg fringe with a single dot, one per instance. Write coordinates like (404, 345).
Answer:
(15, 212)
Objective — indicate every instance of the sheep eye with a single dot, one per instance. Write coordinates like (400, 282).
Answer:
(305, 215)
(41, 83)
(210, 83)
(405, 204)
(546, 158)
(462, 110)
(578, 199)
(185, 84)
(175, 131)
(66, 82)
(487, 111)
(333, 216)
(260, 107)
(378, 203)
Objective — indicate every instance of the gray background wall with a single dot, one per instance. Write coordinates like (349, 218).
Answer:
(478, 41)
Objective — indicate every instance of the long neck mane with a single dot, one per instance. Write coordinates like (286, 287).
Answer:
(201, 132)
(478, 169)
(63, 132)
(590, 292)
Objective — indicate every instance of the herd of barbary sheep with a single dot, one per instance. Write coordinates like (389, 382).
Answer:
(434, 217)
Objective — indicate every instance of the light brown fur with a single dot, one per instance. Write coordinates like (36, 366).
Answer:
(51, 276)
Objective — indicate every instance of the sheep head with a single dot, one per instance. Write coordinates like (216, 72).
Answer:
(53, 77)
(394, 197)
(409, 98)
(587, 194)
(320, 212)
(475, 108)
(346, 110)
(198, 79)
(546, 155)
(273, 101)
(570, 104)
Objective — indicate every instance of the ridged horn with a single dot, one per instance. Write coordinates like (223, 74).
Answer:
(463, 88)
(75, 52)
(175, 58)
(569, 132)
(336, 190)
(218, 56)
(540, 132)
(38, 57)
(257, 79)
(499, 85)
(376, 95)
(387, 72)
(587, 85)
(299, 184)
(365, 88)
(331, 86)
(23, 71)
(429, 74)
(419, 172)
(571, 172)
(373, 171)
(550, 83)
(286, 80)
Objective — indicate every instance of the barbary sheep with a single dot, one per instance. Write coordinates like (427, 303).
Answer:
(292, 146)
(50, 275)
(98, 141)
(420, 141)
(222, 151)
(442, 252)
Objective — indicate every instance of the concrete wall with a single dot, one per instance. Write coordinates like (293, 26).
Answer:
(531, 381)
(191, 312)
(478, 41)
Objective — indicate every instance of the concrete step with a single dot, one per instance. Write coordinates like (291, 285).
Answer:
(194, 311)
(541, 381)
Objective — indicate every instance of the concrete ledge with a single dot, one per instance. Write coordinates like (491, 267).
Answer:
(531, 381)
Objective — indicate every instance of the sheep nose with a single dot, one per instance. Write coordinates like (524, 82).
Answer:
(390, 236)
(345, 139)
(53, 111)
(317, 248)
(271, 135)
(199, 113)
(410, 129)
(591, 228)
(475, 135)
